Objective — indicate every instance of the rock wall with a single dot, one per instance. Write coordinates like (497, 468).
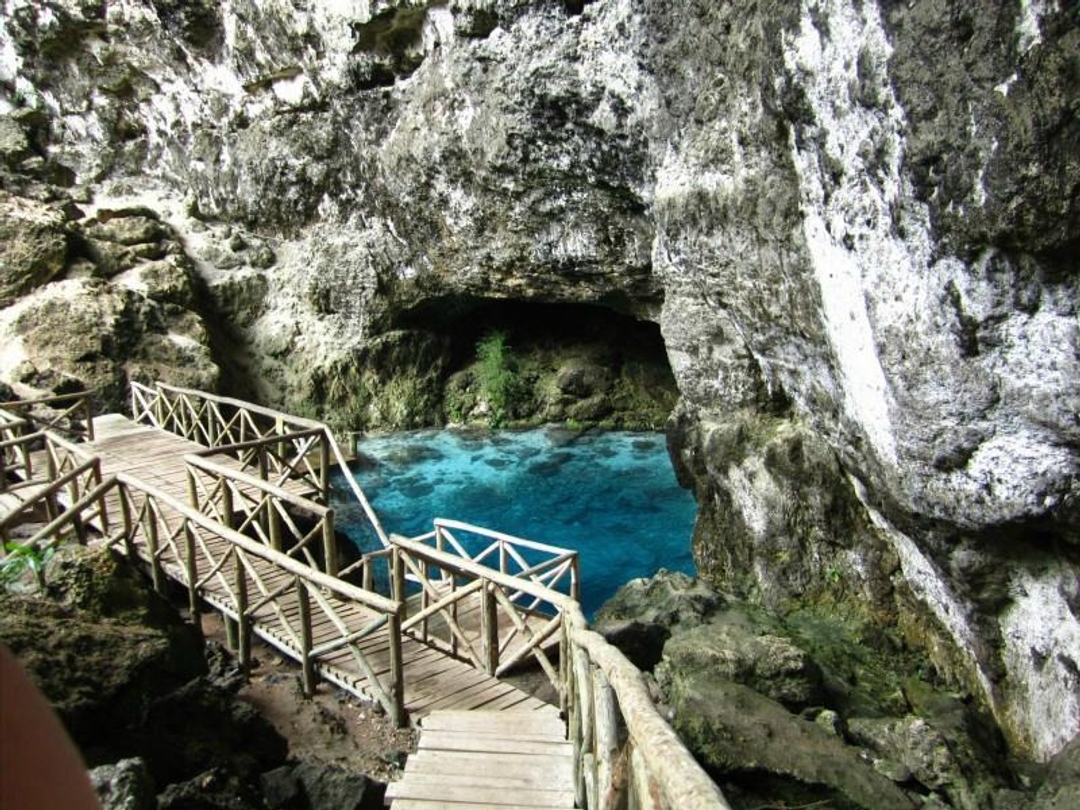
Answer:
(855, 222)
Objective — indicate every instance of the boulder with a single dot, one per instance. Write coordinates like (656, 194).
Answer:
(1060, 789)
(921, 752)
(736, 646)
(14, 143)
(33, 245)
(331, 787)
(98, 335)
(741, 735)
(643, 613)
(124, 785)
(213, 789)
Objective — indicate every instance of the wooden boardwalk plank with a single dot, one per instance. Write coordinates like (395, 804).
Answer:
(487, 759)
(424, 804)
(530, 797)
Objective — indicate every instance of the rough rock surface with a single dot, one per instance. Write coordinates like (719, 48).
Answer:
(734, 729)
(769, 702)
(124, 785)
(129, 680)
(642, 615)
(854, 222)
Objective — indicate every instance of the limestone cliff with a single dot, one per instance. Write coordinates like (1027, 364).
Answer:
(855, 223)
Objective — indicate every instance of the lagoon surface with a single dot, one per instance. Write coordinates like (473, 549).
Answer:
(610, 495)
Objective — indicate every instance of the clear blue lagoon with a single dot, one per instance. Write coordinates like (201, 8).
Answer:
(610, 495)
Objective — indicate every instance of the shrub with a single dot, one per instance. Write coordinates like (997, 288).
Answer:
(497, 376)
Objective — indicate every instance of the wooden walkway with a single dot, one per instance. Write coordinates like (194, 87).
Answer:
(488, 761)
(433, 679)
(228, 499)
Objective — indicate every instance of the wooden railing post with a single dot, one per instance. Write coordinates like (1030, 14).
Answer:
(606, 720)
(89, 409)
(243, 621)
(192, 571)
(157, 576)
(308, 665)
(397, 586)
(273, 521)
(584, 733)
(324, 468)
(397, 668)
(425, 600)
(489, 628)
(125, 515)
(330, 549)
(159, 407)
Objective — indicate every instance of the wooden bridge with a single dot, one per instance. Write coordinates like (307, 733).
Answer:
(232, 502)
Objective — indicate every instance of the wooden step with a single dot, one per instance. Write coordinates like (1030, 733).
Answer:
(488, 759)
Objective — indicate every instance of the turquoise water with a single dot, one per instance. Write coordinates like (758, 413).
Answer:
(612, 496)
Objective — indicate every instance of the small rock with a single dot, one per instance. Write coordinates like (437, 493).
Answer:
(262, 257)
(124, 785)
(828, 720)
(281, 788)
(329, 787)
(909, 741)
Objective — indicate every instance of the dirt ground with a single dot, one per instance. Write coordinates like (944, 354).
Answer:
(334, 726)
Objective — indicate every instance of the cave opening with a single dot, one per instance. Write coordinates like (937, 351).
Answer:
(578, 363)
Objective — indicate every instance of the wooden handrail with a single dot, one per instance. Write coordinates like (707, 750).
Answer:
(462, 565)
(672, 778)
(288, 564)
(671, 767)
(241, 404)
(201, 462)
(52, 488)
(73, 513)
(281, 419)
(81, 400)
(447, 523)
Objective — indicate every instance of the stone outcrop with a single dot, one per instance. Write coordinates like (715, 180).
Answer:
(855, 224)
(810, 707)
(156, 714)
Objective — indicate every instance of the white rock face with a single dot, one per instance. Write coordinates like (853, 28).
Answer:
(851, 220)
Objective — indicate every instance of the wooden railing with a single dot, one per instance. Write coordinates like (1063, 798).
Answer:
(268, 513)
(242, 579)
(67, 414)
(553, 567)
(67, 474)
(450, 585)
(16, 461)
(625, 753)
(274, 446)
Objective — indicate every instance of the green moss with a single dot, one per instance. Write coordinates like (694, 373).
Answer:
(865, 664)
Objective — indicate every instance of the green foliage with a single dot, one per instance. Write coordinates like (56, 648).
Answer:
(497, 375)
(21, 558)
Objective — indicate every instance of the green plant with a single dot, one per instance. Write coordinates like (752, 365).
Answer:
(22, 557)
(497, 376)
